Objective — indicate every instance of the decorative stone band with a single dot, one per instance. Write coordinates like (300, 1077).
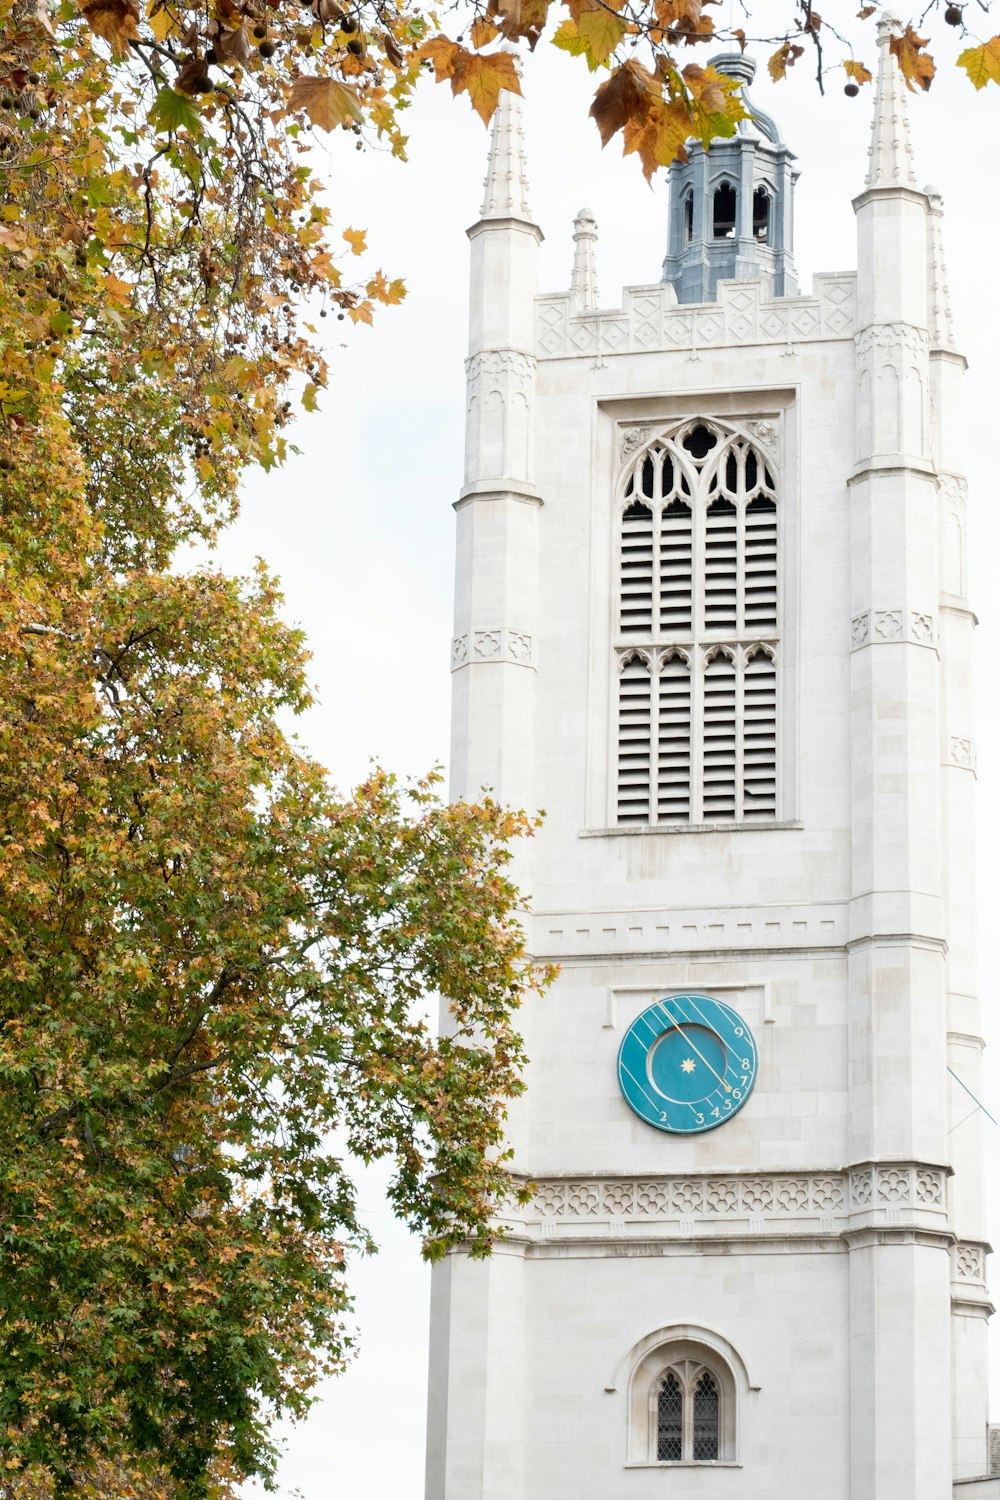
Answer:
(750, 1203)
(890, 626)
(497, 644)
(968, 1262)
(651, 319)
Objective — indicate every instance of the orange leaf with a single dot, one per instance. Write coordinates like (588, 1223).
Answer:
(326, 102)
(483, 78)
(627, 96)
(857, 71)
(482, 32)
(113, 20)
(356, 239)
(916, 66)
(442, 52)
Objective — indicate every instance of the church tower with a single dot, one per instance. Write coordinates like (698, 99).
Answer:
(711, 616)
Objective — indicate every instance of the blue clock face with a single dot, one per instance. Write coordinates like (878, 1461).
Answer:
(687, 1064)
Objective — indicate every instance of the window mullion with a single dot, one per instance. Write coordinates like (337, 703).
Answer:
(687, 1439)
(738, 708)
(698, 540)
(654, 655)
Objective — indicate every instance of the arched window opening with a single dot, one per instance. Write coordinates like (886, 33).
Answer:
(697, 632)
(688, 212)
(670, 1420)
(683, 1394)
(762, 215)
(724, 212)
(705, 1419)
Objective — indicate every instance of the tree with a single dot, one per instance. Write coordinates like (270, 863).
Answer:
(214, 992)
(215, 970)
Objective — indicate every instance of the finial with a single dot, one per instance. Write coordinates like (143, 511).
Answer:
(583, 287)
(506, 185)
(938, 295)
(890, 158)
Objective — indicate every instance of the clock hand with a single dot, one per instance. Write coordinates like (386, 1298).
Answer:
(727, 1086)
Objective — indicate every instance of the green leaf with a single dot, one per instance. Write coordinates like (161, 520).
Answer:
(172, 111)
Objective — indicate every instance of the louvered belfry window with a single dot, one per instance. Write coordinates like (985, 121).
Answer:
(696, 646)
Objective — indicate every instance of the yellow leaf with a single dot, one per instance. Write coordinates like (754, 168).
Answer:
(482, 32)
(857, 71)
(360, 314)
(982, 63)
(602, 30)
(326, 102)
(162, 22)
(356, 239)
(779, 62)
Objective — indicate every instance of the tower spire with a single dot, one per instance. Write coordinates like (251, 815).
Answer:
(506, 185)
(938, 295)
(891, 159)
(583, 287)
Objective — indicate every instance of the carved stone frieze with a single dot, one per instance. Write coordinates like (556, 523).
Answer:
(892, 339)
(652, 319)
(879, 626)
(969, 1261)
(498, 643)
(744, 1202)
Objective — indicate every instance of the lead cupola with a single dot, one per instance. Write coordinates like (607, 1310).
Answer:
(731, 206)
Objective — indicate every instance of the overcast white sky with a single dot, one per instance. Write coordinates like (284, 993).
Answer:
(360, 526)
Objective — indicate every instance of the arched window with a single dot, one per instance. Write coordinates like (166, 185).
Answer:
(724, 212)
(761, 214)
(687, 209)
(683, 1394)
(697, 626)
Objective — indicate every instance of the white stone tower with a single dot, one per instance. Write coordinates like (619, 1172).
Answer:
(711, 616)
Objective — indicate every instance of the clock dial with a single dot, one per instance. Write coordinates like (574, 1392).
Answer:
(687, 1064)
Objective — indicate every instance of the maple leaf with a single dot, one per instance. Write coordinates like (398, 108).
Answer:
(601, 31)
(356, 239)
(482, 32)
(234, 44)
(483, 77)
(659, 138)
(857, 71)
(916, 65)
(520, 19)
(442, 52)
(982, 64)
(327, 102)
(578, 8)
(628, 95)
(113, 20)
(779, 62)
(172, 111)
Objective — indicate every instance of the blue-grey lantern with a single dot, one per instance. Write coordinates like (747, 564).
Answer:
(731, 206)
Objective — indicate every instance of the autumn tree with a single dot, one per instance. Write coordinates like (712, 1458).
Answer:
(216, 972)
